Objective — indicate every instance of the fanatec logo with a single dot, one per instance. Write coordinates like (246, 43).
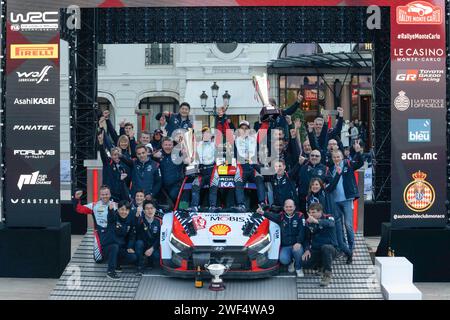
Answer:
(32, 179)
(35, 101)
(33, 127)
(35, 76)
(35, 154)
(35, 21)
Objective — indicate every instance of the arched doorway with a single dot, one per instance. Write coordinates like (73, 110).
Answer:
(149, 107)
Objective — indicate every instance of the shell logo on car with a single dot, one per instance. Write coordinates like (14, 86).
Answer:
(220, 229)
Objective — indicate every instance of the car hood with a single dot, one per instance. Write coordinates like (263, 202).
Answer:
(220, 229)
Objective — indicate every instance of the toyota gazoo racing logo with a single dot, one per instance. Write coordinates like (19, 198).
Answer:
(419, 12)
(34, 154)
(36, 77)
(33, 127)
(32, 179)
(34, 21)
(425, 75)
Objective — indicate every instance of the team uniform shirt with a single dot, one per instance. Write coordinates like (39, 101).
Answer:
(246, 148)
(206, 152)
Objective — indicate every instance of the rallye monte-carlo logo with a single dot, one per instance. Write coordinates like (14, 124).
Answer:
(419, 12)
(199, 222)
(220, 229)
(419, 194)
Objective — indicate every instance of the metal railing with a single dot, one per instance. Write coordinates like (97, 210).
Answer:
(101, 57)
(158, 56)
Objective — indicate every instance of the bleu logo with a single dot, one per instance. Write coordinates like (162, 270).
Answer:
(419, 130)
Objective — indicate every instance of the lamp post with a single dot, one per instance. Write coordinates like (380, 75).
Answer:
(215, 93)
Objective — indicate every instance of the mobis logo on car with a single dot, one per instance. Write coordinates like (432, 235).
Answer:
(419, 12)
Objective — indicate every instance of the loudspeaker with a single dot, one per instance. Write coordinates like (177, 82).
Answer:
(33, 252)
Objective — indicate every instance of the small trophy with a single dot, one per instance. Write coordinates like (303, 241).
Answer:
(216, 270)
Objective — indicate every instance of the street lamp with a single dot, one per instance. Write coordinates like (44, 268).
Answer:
(226, 99)
(215, 93)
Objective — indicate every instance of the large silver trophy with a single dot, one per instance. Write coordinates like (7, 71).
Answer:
(261, 85)
(189, 144)
(216, 270)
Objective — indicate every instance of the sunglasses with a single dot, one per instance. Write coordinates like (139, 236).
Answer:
(315, 155)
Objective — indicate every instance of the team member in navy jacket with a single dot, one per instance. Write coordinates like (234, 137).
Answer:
(322, 134)
(304, 171)
(114, 172)
(292, 226)
(145, 173)
(346, 190)
(320, 242)
(172, 164)
(282, 186)
(321, 193)
(179, 120)
(125, 233)
(148, 236)
(114, 230)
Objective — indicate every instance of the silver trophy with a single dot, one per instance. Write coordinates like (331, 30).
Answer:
(216, 270)
(189, 144)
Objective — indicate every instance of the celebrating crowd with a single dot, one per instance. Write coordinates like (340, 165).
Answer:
(306, 187)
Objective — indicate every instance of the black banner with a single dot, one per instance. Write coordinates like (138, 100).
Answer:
(32, 151)
(418, 117)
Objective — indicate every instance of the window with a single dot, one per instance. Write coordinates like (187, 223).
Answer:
(159, 54)
(154, 105)
(296, 49)
(227, 47)
(101, 56)
(312, 88)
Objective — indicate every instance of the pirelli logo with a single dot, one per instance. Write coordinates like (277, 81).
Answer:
(34, 51)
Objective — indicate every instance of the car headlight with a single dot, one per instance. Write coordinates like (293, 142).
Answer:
(178, 244)
(261, 245)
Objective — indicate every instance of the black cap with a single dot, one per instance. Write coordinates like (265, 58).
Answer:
(158, 131)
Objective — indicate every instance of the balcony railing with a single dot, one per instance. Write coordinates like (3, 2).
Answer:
(158, 56)
(101, 58)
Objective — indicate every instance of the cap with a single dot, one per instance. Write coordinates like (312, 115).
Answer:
(158, 131)
(244, 122)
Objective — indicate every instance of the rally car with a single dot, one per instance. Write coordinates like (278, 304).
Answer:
(245, 242)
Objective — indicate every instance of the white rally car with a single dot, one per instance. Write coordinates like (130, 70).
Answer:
(246, 243)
